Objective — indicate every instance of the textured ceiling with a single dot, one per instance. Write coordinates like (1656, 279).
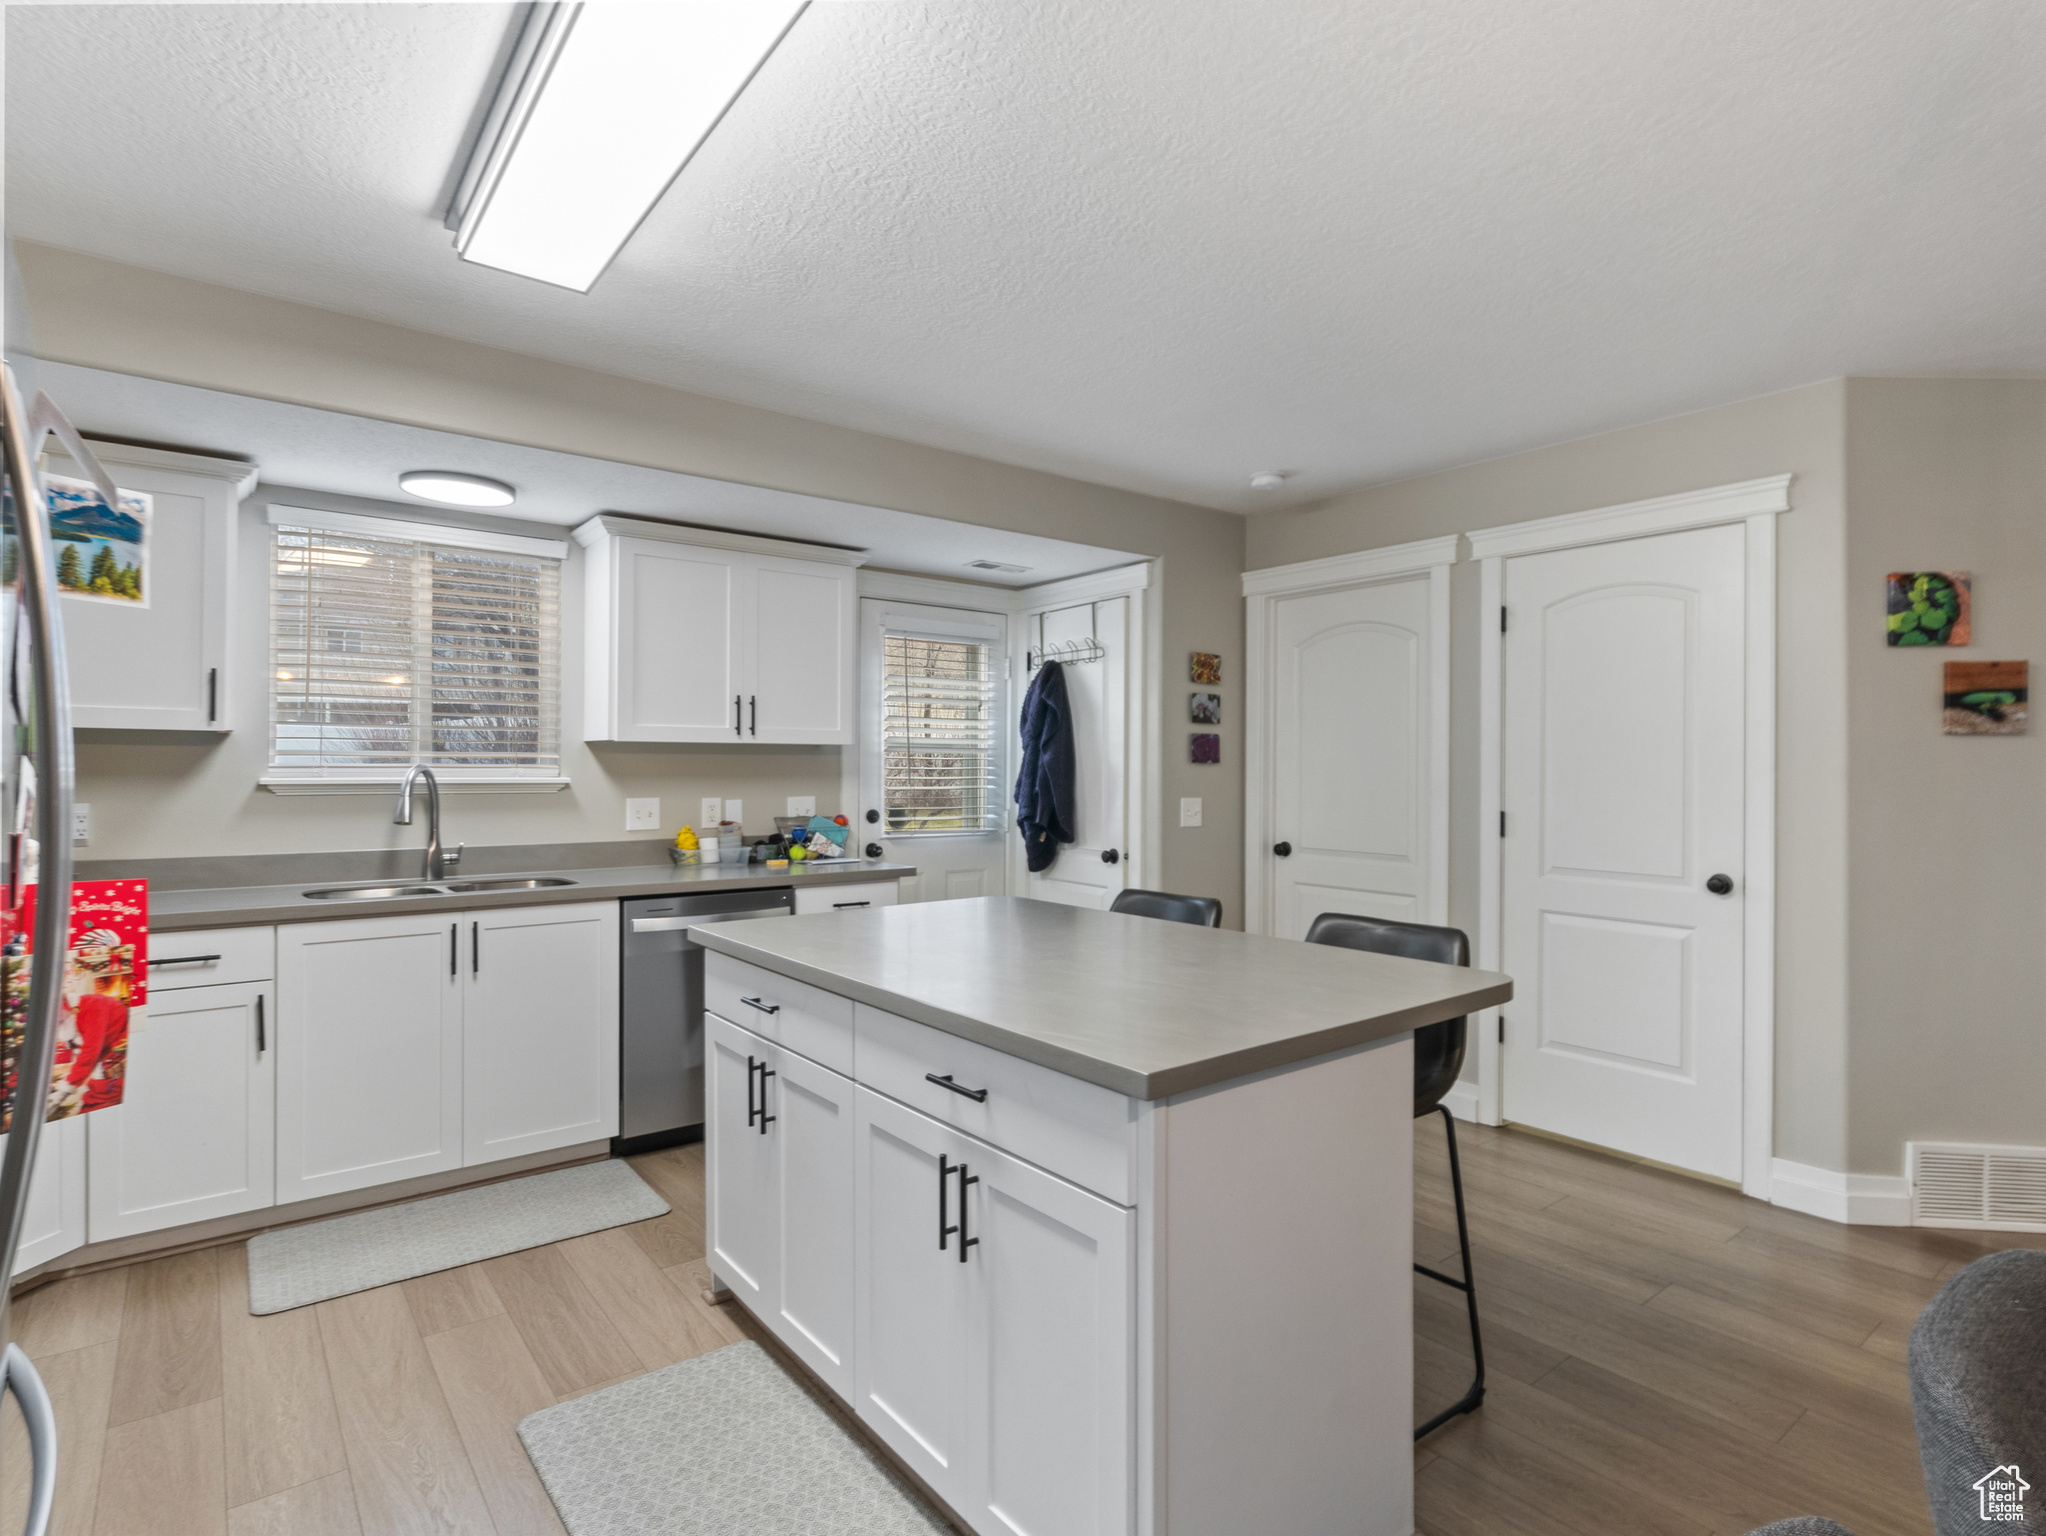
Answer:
(1154, 244)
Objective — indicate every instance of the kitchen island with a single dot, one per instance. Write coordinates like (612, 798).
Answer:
(1102, 1225)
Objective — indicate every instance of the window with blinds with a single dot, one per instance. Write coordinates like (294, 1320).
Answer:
(941, 768)
(386, 651)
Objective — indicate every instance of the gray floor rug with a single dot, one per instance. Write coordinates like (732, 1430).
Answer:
(325, 1259)
(722, 1445)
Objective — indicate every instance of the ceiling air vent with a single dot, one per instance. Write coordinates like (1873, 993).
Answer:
(996, 565)
(2001, 1188)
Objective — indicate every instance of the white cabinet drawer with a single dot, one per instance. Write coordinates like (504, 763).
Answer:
(211, 957)
(810, 1022)
(845, 898)
(1079, 1131)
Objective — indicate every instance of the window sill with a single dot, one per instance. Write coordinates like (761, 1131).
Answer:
(389, 786)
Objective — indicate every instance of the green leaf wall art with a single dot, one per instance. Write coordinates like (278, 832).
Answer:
(1930, 607)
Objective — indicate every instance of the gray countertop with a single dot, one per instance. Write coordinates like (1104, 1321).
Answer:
(228, 907)
(1144, 1007)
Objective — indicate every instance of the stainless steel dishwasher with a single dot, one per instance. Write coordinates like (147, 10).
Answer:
(660, 1057)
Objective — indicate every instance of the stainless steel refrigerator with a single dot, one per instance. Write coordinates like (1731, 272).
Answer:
(36, 757)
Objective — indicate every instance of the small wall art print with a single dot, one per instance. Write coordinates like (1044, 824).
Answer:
(1204, 747)
(1931, 607)
(102, 551)
(1206, 668)
(1204, 708)
(1985, 698)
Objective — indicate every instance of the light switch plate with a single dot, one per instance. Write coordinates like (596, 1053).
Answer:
(735, 812)
(713, 813)
(1190, 812)
(802, 805)
(642, 815)
(81, 823)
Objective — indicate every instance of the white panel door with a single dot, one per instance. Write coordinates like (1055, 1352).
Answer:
(53, 1218)
(1085, 874)
(677, 671)
(812, 1128)
(195, 1134)
(539, 1029)
(1353, 765)
(915, 1301)
(1623, 792)
(798, 619)
(741, 1174)
(1053, 1367)
(369, 1052)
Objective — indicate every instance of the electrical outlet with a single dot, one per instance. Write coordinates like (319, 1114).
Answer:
(802, 805)
(642, 815)
(1190, 812)
(713, 813)
(81, 823)
(735, 812)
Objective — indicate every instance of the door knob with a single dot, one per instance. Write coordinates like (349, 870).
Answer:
(1720, 885)
(873, 850)
(1110, 856)
(872, 817)
(1283, 850)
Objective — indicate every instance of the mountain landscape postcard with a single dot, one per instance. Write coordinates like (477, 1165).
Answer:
(102, 551)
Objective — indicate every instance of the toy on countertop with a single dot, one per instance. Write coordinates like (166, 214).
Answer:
(686, 838)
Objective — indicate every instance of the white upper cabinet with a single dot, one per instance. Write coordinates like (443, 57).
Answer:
(697, 636)
(160, 662)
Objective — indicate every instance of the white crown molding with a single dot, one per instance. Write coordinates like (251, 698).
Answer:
(1341, 570)
(238, 473)
(937, 591)
(1636, 519)
(451, 535)
(616, 525)
(1857, 1199)
(1120, 582)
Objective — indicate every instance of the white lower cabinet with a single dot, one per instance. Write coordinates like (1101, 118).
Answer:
(53, 1221)
(369, 1056)
(994, 1344)
(539, 1029)
(781, 1193)
(195, 1134)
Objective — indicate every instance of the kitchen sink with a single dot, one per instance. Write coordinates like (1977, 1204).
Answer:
(525, 883)
(372, 892)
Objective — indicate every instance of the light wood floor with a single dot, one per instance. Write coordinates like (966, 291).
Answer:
(1666, 1359)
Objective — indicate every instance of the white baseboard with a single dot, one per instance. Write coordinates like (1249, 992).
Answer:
(1462, 1100)
(1857, 1199)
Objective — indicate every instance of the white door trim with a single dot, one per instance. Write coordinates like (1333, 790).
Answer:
(1757, 504)
(1429, 557)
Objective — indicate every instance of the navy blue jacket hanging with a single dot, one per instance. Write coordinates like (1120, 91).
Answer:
(1044, 787)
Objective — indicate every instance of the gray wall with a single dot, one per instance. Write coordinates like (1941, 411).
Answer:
(102, 314)
(1799, 432)
(1947, 956)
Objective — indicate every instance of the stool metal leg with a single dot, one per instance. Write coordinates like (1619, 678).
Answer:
(1467, 1285)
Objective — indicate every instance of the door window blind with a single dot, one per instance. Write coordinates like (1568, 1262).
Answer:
(941, 749)
(389, 650)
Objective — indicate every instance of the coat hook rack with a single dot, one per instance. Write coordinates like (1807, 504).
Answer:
(1068, 651)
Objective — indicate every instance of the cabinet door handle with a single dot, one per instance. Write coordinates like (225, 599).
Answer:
(736, 731)
(765, 1118)
(945, 1227)
(754, 1002)
(475, 949)
(753, 713)
(752, 1114)
(262, 1042)
(183, 959)
(454, 949)
(978, 1095)
(965, 1242)
(212, 694)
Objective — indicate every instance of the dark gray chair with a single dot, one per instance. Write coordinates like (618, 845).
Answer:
(1438, 1058)
(1201, 911)
(1978, 1389)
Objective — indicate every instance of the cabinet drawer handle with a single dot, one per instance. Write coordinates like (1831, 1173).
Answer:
(185, 960)
(842, 905)
(978, 1095)
(754, 1002)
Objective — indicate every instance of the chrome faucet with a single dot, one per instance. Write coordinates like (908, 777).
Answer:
(438, 859)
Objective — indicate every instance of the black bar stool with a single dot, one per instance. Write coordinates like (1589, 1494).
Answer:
(1438, 1058)
(1201, 911)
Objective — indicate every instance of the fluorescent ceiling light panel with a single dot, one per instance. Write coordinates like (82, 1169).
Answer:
(607, 101)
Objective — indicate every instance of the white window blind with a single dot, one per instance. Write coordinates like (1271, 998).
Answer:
(941, 749)
(388, 650)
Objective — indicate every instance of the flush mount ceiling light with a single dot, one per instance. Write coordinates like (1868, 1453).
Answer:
(1267, 480)
(452, 489)
(600, 108)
